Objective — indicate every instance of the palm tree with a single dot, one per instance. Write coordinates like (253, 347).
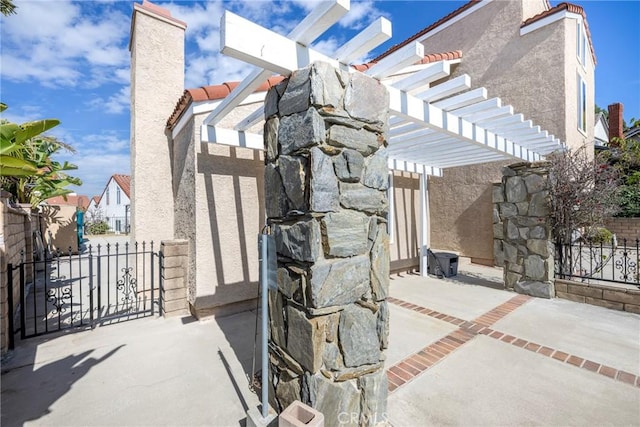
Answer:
(7, 7)
(27, 168)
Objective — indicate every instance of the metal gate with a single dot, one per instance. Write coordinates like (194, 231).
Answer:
(102, 285)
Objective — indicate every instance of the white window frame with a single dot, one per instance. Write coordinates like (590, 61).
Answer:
(107, 195)
(581, 44)
(582, 104)
(117, 195)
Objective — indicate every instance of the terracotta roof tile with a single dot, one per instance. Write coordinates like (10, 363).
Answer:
(158, 10)
(214, 92)
(124, 181)
(72, 200)
(569, 7)
(96, 200)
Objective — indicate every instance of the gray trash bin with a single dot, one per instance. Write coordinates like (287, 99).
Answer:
(443, 263)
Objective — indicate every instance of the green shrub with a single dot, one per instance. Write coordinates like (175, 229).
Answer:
(599, 235)
(629, 200)
(98, 227)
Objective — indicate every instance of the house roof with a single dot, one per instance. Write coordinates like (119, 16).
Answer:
(221, 91)
(72, 200)
(569, 7)
(550, 11)
(124, 181)
(96, 200)
(633, 132)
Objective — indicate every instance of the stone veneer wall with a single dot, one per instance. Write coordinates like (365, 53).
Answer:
(15, 237)
(522, 229)
(326, 178)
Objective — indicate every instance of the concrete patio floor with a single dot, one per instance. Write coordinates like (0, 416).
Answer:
(460, 354)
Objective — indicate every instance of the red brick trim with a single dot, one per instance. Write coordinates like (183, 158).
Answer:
(416, 364)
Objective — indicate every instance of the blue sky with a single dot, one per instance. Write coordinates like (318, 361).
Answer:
(70, 60)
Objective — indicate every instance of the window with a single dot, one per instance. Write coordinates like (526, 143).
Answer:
(582, 104)
(107, 195)
(581, 44)
(118, 196)
(118, 225)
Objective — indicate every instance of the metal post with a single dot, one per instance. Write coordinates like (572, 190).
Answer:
(23, 306)
(424, 224)
(152, 282)
(91, 287)
(265, 319)
(10, 311)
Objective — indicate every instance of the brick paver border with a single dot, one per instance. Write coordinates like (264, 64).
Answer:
(419, 362)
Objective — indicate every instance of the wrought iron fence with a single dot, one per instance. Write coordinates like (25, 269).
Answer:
(610, 261)
(102, 284)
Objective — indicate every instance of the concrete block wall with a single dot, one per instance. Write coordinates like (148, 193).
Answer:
(624, 228)
(15, 237)
(605, 296)
(175, 263)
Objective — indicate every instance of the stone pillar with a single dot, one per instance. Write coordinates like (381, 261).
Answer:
(326, 178)
(175, 264)
(523, 242)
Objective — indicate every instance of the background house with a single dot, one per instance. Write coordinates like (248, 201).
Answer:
(213, 195)
(113, 205)
(536, 58)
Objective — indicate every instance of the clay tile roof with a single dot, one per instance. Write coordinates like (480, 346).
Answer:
(72, 200)
(214, 92)
(96, 200)
(424, 31)
(569, 7)
(158, 10)
(124, 181)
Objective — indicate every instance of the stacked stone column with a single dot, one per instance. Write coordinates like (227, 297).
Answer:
(326, 179)
(522, 229)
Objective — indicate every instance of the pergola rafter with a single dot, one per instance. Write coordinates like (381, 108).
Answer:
(434, 123)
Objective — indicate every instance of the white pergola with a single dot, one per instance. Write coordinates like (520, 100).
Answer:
(431, 126)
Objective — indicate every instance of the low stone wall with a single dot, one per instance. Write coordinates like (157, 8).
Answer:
(624, 228)
(15, 237)
(175, 263)
(602, 295)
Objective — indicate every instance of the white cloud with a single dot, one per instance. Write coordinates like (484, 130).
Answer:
(64, 44)
(117, 103)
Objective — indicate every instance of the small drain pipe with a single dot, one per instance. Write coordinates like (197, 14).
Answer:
(264, 290)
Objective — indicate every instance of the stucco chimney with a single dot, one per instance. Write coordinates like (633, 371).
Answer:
(157, 82)
(616, 128)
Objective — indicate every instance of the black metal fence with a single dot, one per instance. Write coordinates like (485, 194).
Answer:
(101, 285)
(610, 261)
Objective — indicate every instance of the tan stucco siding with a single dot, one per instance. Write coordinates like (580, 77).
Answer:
(527, 72)
(575, 138)
(229, 214)
(405, 221)
(157, 80)
(185, 197)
